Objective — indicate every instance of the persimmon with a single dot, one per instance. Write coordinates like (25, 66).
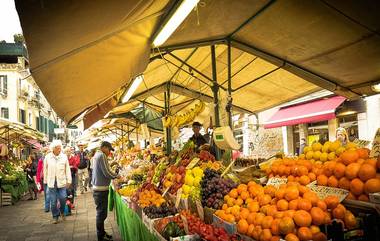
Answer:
(304, 233)
(253, 206)
(312, 197)
(322, 180)
(339, 170)
(244, 212)
(251, 218)
(331, 201)
(349, 156)
(291, 237)
(332, 181)
(363, 153)
(373, 162)
(344, 183)
(322, 205)
(282, 205)
(267, 222)
(302, 218)
(264, 199)
(339, 212)
(319, 237)
(352, 170)
(266, 235)
(351, 196)
(280, 193)
(304, 204)
(303, 189)
(259, 218)
(366, 172)
(251, 227)
(372, 185)
(318, 216)
(272, 210)
(363, 198)
(291, 193)
(314, 229)
(356, 186)
(270, 190)
(304, 180)
(293, 204)
(275, 227)
(286, 225)
(241, 188)
(350, 220)
(312, 176)
(289, 213)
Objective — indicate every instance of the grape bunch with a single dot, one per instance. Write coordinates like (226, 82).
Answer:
(159, 212)
(214, 188)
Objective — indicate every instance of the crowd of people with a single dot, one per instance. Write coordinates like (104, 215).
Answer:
(63, 174)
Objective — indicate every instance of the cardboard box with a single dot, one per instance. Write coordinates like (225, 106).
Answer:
(229, 227)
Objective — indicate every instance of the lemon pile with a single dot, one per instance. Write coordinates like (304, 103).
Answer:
(326, 152)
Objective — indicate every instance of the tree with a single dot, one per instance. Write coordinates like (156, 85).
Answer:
(3, 41)
(18, 38)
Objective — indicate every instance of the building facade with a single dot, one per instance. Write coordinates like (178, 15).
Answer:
(21, 101)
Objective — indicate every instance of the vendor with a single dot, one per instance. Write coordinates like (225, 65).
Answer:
(341, 135)
(197, 138)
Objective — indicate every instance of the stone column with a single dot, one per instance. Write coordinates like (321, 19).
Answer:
(303, 132)
(332, 125)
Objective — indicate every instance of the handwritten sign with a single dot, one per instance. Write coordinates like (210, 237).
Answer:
(324, 192)
(200, 209)
(375, 151)
(361, 143)
(193, 163)
(276, 182)
(186, 203)
(178, 198)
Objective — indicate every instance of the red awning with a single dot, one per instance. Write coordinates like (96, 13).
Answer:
(319, 110)
(34, 143)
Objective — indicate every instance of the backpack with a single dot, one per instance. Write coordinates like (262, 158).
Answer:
(83, 163)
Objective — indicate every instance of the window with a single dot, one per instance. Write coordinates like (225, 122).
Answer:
(3, 85)
(4, 112)
(38, 123)
(30, 121)
(22, 116)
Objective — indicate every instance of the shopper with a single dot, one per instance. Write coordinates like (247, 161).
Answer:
(82, 169)
(40, 178)
(197, 138)
(302, 146)
(57, 176)
(341, 135)
(31, 170)
(101, 180)
(73, 162)
(90, 167)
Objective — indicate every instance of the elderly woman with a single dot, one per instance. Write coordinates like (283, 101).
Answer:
(57, 176)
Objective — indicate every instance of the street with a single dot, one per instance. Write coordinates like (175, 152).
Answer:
(26, 220)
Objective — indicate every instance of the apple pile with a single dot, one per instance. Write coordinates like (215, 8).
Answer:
(174, 179)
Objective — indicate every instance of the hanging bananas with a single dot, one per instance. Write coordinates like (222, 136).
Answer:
(182, 119)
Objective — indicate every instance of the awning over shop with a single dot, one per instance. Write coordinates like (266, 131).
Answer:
(34, 143)
(315, 111)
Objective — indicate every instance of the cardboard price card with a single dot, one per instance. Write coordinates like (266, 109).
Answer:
(178, 198)
(185, 224)
(324, 192)
(200, 209)
(375, 151)
(193, 163)
(276, 182)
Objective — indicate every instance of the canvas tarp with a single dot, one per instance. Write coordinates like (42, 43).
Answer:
(301, 46)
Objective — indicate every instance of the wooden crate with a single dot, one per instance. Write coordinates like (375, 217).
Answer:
(6, 199)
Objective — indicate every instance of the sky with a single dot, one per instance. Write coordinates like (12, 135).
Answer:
(9, 21)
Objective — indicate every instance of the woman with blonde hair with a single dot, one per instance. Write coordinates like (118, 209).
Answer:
(342, 136)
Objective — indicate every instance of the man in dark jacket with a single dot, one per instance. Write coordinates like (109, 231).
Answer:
(101, 179)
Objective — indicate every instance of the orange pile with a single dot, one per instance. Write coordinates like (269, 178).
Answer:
(353, 170)
(147, 198)
(292, 212)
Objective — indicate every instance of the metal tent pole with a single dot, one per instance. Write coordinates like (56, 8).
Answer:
(167, 112)
(215, 90)
(229, 89)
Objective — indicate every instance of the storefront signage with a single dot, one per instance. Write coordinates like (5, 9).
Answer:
(324, 192)
(276, 182)
(375, 152)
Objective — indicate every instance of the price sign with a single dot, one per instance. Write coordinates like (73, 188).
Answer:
(185, 224)
(276, 182)
(324, 192)
(375, 151)
(186, 202)
(200, 209)
(178, 198)
(193, 163)
(361, 143)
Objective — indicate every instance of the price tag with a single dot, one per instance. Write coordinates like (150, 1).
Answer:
(361, 143)
(276, 182)
(166, 190)
(324, 192)
(193, 163)
(186, 201)
(185, 224)
(178, 198)
(199, 209)
(375, 151)
(313, 183)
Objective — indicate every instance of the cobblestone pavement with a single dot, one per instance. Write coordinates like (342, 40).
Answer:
(27, 221)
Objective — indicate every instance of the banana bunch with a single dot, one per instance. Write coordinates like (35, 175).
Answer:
(188, 117)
